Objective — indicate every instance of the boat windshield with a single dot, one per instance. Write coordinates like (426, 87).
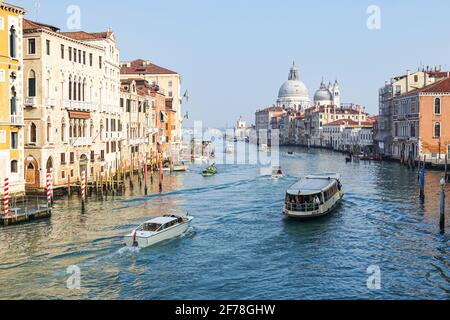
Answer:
(150, 227)
(304, 203)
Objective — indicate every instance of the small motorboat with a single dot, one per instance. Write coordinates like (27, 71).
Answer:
(277, 173)
(290, 153)
(182, 167)
(158, 230)
(264, 148)
(210, 171)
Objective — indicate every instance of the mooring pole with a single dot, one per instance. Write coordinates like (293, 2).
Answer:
(442, 206)
(145, 175)
(422, 181)
(83, 190)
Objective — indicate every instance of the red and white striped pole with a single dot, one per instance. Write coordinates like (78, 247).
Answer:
(83, 189)
(49, 188)
(6, 197)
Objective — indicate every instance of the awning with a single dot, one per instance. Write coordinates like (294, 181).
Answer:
(79, 115)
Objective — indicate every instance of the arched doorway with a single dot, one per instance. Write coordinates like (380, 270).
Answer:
(32, 173)
(83, 164)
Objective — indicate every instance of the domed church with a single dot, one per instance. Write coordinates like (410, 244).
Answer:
(327, 96)
(293, 93)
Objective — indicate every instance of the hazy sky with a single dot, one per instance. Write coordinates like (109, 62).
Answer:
(235, 54)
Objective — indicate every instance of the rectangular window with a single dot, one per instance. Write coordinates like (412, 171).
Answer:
(62, 51)
(70, 54)
(92, 156)
(31, 46)
(91, 59)
(72, 158)
(79, 56)
(74, 55)
(100, 64)
(63, 158)
(107, 147)
(48, 47)
(32, 87)
(14, 140)
(102, 155)
(84, 57)
(63, 174)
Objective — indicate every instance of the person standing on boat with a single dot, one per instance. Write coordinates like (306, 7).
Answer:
(317, 201)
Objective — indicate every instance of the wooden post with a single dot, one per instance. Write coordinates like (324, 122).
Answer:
(422, 180)
(446, 172)
(49, 189)
(145, 176)
(68, 184)
(442, 206)
(161, 177)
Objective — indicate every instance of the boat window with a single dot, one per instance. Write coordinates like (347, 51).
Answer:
(151, 227)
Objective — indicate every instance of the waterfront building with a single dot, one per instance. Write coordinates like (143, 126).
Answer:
(11, 98)
(268, 120)
(396, 87)
(169, 83)
(241, 131)
(421, 122)
(293, 94)
(72, 111)
(135, 100)
(288, 127)
(349, 135)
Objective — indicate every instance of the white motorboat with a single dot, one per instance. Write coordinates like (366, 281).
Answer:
(277, 173)
(158, 230)
(264, 148)
(314, 196)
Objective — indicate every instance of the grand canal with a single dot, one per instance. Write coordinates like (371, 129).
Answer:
(240, 246)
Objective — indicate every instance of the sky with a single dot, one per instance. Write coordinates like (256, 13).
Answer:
(234, 55)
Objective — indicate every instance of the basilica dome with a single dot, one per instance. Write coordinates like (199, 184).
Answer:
(293, 93)
(323, 95)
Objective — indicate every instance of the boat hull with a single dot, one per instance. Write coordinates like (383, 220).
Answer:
(145, 242)
(323, 209)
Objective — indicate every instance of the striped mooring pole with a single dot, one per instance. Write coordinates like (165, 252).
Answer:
(6, 197)
(145, 175)
(49, 189)
(83, 189)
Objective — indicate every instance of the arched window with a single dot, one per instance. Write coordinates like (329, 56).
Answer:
(437, 129)
(79, 91)
(437, 106)
(70, 130)
(32, 84)
(13, 102)
(33, 133)
(14, 166)
(74, 95)
(12, 42)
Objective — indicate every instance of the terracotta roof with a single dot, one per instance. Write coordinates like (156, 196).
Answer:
(442, 86)
(13, 6)
(140, 66)
(82, 35)
(33, 25)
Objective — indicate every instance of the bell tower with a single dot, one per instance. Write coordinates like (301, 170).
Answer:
(336, 94)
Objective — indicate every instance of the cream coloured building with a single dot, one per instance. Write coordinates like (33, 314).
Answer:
(72, 111)
(169, 83)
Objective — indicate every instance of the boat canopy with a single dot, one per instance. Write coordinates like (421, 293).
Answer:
(162, 220)
(314, 184)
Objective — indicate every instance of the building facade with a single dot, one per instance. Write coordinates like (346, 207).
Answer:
(396, 87)
(11, 98)
(421, 121)
(72, 111)
(169, 84)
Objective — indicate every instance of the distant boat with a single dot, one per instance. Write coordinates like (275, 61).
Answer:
(264, 148)
(210, 171)
(290, 153)
(229, 149)
(180, 167)
(314, 196)
(158, 230)
(277, 173)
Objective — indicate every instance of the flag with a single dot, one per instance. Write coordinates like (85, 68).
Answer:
(186, 96)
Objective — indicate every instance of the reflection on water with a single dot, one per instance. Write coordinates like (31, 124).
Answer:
(240, 246)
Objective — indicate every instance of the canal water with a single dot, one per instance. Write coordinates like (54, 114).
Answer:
(240, 246)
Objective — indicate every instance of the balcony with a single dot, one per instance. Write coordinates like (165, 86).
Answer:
(115, 135)
(17, 120)
(81, 142)
(30, 102)
(78, 106)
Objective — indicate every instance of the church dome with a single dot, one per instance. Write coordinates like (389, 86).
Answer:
(293, 88)
(323, 95)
